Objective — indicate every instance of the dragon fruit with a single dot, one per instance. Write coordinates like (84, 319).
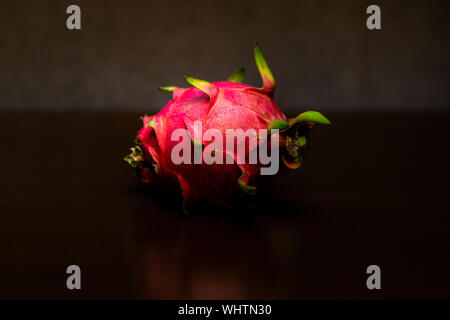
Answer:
(220, 106)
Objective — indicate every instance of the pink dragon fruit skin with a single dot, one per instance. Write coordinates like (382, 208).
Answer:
(218, 105)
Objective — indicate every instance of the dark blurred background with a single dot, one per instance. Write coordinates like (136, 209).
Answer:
(321, 52)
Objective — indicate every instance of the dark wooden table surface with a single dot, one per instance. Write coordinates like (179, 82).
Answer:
(374, 190)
